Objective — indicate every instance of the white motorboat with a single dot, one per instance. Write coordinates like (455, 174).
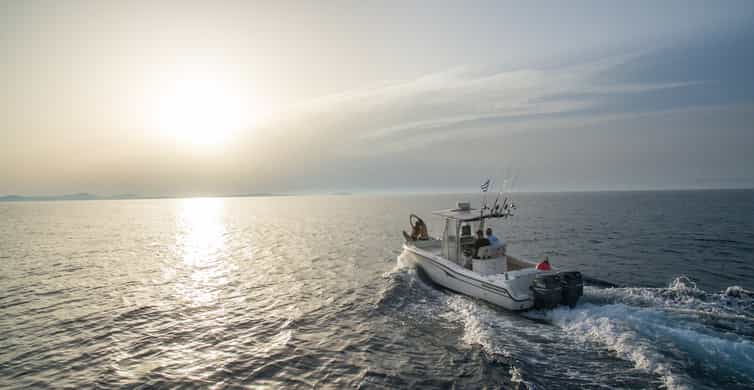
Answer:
(488, 272)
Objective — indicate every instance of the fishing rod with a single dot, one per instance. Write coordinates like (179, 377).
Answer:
(505, 206)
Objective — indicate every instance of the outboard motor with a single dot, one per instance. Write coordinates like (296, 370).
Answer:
(573, 287)
(548, 291)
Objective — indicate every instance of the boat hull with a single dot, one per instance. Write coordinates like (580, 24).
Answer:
(454, 277)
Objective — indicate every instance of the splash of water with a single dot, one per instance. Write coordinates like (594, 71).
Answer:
(670, 332)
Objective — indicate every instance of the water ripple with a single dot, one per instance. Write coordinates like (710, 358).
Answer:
(306, 292)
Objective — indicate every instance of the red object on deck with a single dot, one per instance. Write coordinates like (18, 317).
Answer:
(543, 266)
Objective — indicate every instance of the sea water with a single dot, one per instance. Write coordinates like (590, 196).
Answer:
(302, 292)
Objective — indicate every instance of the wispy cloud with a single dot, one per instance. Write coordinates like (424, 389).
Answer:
(441, 113)
(445, 104)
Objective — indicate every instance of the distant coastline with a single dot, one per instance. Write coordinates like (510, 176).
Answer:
(88, 196)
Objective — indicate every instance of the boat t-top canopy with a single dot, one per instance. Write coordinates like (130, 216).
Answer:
(465, 214)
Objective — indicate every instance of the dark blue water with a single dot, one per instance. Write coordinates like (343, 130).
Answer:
(643, 238)
(307, 292)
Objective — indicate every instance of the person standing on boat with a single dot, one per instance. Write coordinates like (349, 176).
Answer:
(491, 237)
(480, 242)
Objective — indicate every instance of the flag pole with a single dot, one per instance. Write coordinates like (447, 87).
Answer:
(484, 187)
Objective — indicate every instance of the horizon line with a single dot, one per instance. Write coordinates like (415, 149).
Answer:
(86, 196)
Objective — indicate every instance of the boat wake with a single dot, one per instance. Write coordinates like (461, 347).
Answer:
(680, 333)
(407, 294)
(674, 337)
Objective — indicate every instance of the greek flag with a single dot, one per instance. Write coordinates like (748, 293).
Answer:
(485, 186)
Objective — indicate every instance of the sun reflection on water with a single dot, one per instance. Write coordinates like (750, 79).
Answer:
(201, 246)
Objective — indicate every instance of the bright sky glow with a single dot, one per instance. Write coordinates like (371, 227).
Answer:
(201, 112)
(183, 98)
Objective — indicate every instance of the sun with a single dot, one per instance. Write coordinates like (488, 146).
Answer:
(201, 112)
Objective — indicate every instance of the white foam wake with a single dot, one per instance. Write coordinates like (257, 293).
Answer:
(679, 333)
(666, 331)
(611, 326)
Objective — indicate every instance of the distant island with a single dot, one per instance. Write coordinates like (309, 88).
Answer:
(88, 196)
(78, 196)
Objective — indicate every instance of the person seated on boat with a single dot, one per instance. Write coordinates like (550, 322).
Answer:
(544, 265)
(491, 237)
(418, 231)
(480, 242)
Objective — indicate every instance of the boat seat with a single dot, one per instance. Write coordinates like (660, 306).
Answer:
(500, 250)
(488, 263)
(486, 252)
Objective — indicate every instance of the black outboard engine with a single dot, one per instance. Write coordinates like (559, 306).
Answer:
(548, 291)
(573, 287)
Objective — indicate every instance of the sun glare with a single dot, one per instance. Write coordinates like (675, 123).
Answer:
(201, 112)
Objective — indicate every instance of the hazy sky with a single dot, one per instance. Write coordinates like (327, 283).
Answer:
(190, 98)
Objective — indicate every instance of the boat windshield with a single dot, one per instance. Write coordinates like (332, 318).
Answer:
(457, 234)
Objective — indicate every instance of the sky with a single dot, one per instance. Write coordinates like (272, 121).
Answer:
(189, 98)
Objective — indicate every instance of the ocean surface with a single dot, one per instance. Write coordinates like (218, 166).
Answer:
(310, 292)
